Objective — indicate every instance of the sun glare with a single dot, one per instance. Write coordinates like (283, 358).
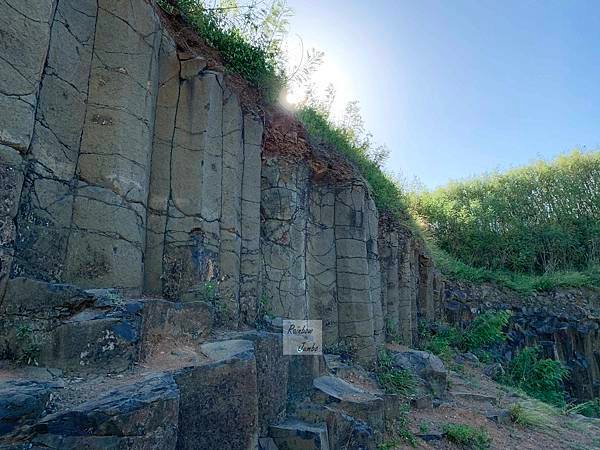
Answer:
(293, 97)
(328, 73)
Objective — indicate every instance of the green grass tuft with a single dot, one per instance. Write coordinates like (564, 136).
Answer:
(468, 436)
(394, 381)
(529, 414)
(256, 57)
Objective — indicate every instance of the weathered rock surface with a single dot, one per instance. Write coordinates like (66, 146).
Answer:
(22, 403)
(218, 400)
(137, 416)
(427, 367)
(350, 399)
(294, 434)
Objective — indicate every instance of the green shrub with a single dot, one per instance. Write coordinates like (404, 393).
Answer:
(485, 330)
(537, 219)
(444, 343)
(394, 381)
(590, 408)
(468, 436)
(538, 377)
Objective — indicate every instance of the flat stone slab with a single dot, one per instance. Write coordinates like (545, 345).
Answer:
(342, 390)
(223, 350)
(297, 435)
(350, 399)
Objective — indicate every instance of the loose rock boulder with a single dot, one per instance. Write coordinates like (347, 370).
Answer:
(427, 367)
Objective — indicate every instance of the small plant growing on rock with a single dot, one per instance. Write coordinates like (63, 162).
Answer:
(208, 292)
(264, 306)
(394, 381)
(29, 348)
(263, 311)
(468, 436)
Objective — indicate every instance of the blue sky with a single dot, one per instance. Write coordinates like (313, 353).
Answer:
(460, 87)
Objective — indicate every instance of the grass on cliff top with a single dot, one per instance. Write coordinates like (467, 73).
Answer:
(248, 38)
(387, 192)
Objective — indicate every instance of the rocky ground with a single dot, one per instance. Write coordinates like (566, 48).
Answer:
(304, 403)
(476, 400)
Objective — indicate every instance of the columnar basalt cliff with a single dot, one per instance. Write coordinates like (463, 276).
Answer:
(151, 213)
(129, 164)
(145, 200)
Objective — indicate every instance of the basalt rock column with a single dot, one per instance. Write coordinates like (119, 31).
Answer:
(284, 209)
(355, 304)
(321, 263)
(55, 48)
(203, 217)
(114, 161)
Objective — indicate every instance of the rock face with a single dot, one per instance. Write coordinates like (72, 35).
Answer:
(140, 415)
(127, 163)
(564, 324)
(22, 402)
(144, 201)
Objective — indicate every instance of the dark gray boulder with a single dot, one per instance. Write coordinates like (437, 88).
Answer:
(427, 367)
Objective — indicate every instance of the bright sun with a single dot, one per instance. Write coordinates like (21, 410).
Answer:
(327, 73)
(293, 97)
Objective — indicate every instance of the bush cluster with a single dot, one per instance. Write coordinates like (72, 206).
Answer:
(482, 333)
(537, 219)
(539, 377)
